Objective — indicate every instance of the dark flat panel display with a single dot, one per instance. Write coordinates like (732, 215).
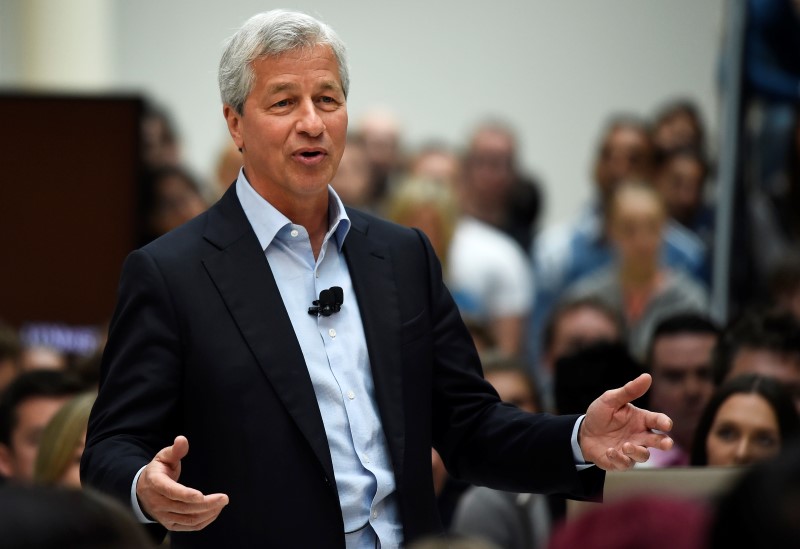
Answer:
(68, 188)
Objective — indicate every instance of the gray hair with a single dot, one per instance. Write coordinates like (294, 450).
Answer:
(271, 34)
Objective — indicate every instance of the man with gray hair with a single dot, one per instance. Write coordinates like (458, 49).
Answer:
(311, 353)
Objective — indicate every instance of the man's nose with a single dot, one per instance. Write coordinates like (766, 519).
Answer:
(309, 121)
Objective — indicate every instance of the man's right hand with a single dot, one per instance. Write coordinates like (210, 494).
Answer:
(175, 506)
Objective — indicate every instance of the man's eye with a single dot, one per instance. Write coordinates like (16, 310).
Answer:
(282, 103)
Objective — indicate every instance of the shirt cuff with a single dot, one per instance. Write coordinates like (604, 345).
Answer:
(577, 455)
(137, 511)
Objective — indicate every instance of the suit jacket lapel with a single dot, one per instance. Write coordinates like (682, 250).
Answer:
(373, 281)
(243, 277)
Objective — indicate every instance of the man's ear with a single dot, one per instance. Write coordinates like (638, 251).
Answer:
(6, 461)
(234, 120)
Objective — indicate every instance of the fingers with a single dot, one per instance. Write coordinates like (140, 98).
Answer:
(182, 517)
(172, 455)
(655, 420)
(628, 392)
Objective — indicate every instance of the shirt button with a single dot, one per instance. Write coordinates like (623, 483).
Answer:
(374, 514)
(351, 395)
(332, 332)
(366, 459)
(294, 232)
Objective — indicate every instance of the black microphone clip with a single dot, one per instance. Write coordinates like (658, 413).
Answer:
(330, 301)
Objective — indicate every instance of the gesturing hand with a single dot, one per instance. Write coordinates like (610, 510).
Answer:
(615, 434)
(174, 505)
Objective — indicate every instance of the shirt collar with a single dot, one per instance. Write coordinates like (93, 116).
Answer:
(266, 220)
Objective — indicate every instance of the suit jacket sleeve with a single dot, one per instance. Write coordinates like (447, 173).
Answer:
(136, 411)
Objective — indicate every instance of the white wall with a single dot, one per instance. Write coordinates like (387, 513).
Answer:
(555, 70)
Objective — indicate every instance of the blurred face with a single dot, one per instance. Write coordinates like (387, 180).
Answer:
(72, 475)
(293, 127)
(681, 186)
(489, 168)
(578, 328)
(676, 131)
(352, 181)
(636, 225)
(436, 165)
(18, 460)
(781, 366)
(745, 430)
(176, 202)
(625, 155)
(514, 389)
(42, 358)
(682, 384)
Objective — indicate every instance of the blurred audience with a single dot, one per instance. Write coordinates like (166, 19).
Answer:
(62, 442)
(678, 125)
(638, 522)
(638, 283)
(169, 198)
(761, 510)
(747, 420)
(510, 520)
(574, 325)
(564, 253)
(485, 270)
(493, 189)
(765, 343)
(436, 162)
(381, 132)
(353, 180)
(680, 360)
(784, 284)
(226, 171)
(56, 518)
(26, 407)
(681, 181)
(160, 147)
(42, 357)
(10, 350)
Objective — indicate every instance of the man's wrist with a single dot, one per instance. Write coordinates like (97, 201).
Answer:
(141, 516)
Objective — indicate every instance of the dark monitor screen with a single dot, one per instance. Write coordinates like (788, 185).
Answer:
(68, 197)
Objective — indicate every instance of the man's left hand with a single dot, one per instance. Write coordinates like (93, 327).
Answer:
(615, 434)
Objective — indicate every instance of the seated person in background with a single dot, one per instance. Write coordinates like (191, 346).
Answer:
(353, 178)
(681, 181)
(585, 374)
(437, 162)
(381, 132)
(508, 519)
(761, 508)
(26, 407)
(494, 191)
(680, 360)
(637, 522)
(764, 343)
(169, 198)
(56, 518)
(60, 448)
(747, 420)
(564, 253)
(784, 284)
(573, 325)
(486, 272)
(9, 355)
(678, 126)
(638, 283)
(42, 357)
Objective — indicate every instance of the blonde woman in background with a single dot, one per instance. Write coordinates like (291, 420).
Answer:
(61, 446)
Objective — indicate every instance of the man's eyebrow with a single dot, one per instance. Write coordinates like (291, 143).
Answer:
(330, 85)
(281, 87)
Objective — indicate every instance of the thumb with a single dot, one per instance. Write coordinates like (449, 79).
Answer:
(629, 392)
(172, 455)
